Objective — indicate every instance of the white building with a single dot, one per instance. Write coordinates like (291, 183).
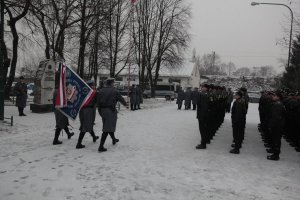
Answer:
(187, 76)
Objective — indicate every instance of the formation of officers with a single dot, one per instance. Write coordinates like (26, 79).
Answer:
(279, 114)
(106, 101)
(212, 104)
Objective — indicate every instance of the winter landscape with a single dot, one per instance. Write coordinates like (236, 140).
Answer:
(155, 159)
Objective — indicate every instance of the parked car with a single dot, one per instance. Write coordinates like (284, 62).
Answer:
(167, 90)
(30, 89)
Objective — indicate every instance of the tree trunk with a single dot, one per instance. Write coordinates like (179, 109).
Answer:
(14, 59)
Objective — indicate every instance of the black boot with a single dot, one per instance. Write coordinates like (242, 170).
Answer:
(95, 138)
(235, 151)
(114, 140)
(103, 138)
(70, 134)
(80, 138)
(201, 146)
(273, 157)
(57, 133)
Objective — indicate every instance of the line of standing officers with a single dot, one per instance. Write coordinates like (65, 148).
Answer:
(136, 97)
(213, 102)
(279, 114)
(211, 109)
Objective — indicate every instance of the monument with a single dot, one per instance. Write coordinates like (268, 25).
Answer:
(44, 85)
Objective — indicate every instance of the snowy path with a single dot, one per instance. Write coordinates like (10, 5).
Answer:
(155, 159)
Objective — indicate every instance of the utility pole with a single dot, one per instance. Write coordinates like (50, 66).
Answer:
(2, 75)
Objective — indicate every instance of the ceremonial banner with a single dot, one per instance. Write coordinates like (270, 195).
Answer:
(77, 93)
(61, 100)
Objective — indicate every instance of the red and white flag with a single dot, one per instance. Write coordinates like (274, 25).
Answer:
(61, 99)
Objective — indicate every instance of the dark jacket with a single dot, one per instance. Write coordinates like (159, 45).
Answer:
(238, 111)
(87, 115)
(107, 100)
(188, 97)
(61, 120)
(180, 97)
(202, 106)
(278, 113)
(133, 95)
(20, 91)
(195, 95)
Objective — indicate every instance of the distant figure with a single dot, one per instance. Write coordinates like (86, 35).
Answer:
(107, 100)
(195, 94)
(139, 97)
(87, 117)
(20, 91)
(133, 95)
(180, 98)
(187, 99)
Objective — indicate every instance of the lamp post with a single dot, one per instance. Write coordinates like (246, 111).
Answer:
(292, 19)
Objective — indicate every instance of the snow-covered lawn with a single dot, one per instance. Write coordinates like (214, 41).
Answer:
(155, 159)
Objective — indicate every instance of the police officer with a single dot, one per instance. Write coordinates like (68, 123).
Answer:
(187, 99)
(107, 99)
(180, 98)
(195, 98)
(202, 113)
(238, 118)
(133, 95)
(61, 120)
(276, 125)
(87, 116)
(20, 91)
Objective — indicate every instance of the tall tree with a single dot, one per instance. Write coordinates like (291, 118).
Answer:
(16, 10)
(291, 76)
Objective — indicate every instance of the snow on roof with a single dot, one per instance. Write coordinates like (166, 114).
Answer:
(185, 70)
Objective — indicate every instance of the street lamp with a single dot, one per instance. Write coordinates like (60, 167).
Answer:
(292, 19)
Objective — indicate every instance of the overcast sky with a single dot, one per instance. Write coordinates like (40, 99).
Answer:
(244, 34)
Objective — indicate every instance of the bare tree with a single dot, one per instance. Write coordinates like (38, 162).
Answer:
(16, 10)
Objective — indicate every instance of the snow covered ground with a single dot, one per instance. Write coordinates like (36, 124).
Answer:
(155, 159)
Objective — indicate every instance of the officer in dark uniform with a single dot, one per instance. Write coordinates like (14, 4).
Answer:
(238, 115)
(195, 98)
(20, 91)
(133, 95)
(187, 99)
(180, 98)
(87, 117)
(276, 125)
(107, 99)
(202, 116)
(61, 120)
